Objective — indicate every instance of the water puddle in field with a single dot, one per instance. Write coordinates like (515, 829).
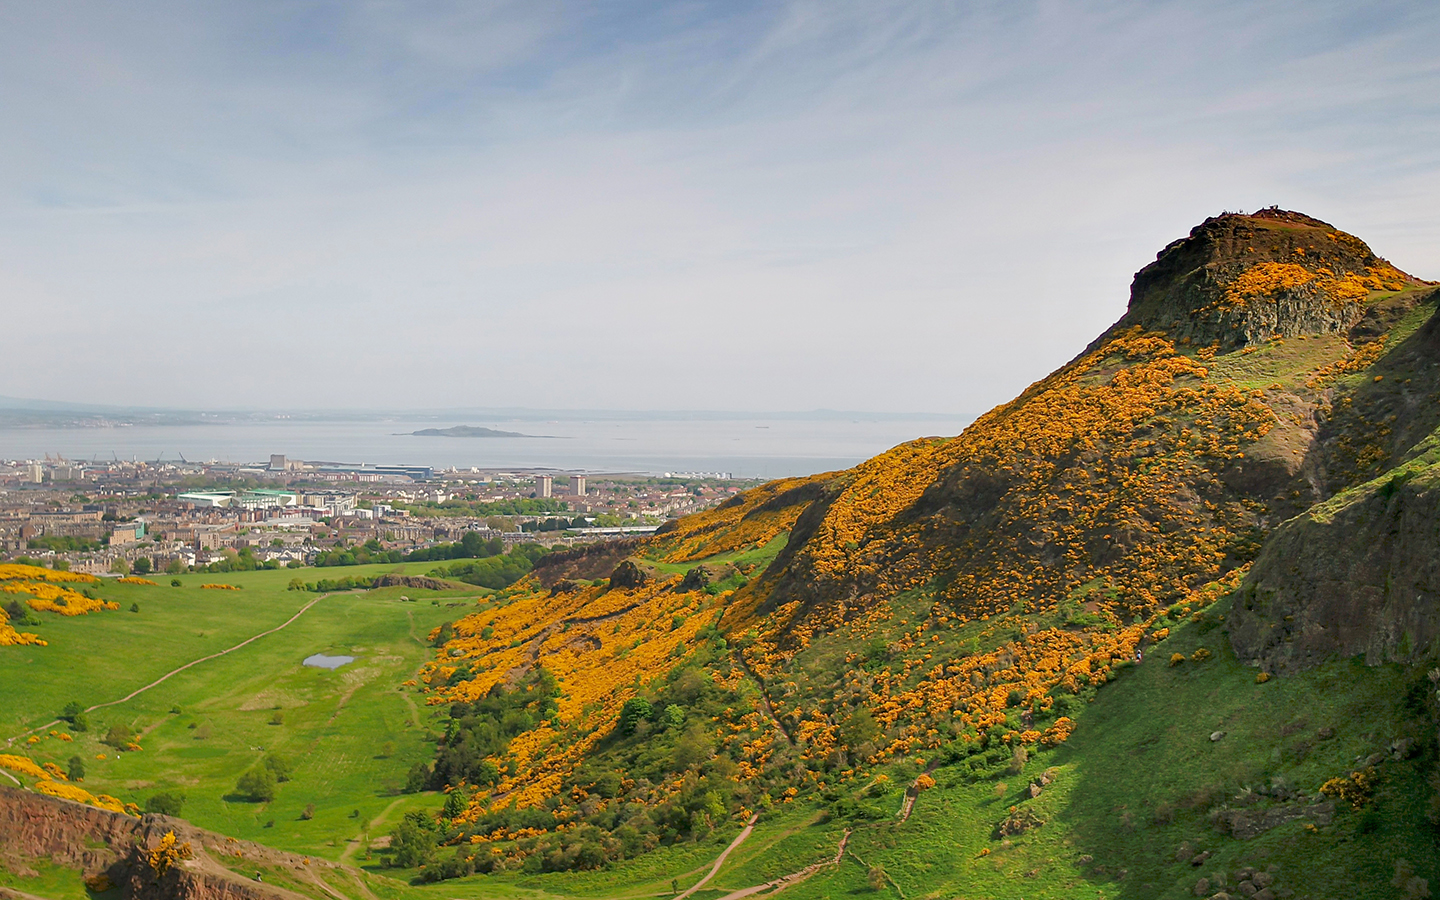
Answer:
(321, 661)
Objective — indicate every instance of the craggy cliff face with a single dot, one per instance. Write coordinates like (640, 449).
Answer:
(1241, 280)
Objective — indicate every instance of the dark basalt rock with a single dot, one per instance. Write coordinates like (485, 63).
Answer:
(1359, 574)
(1184, 292)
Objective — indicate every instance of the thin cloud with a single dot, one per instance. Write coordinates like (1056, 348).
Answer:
(677, 205)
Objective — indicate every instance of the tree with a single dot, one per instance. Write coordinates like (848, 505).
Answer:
(277, 766)
(673, 716)
(456, 803)
(119, 736)
(1018, 758)
(413, 841)
(635, 711)
(120, 566)
(417, 779)
(74, 713)
(143, 566)
(166, 803)
(175, 567)
(77, 769)
(256, 785)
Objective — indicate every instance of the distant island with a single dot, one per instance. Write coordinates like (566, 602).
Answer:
(471, 431)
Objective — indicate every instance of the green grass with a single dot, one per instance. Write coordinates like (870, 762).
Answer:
(757, 556)
(48, 880)
(350, 734)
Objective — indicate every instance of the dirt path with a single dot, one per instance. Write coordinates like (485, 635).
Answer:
(777, 885)
(7, 893)
(912, 793)
(138, 691)
(720, 860)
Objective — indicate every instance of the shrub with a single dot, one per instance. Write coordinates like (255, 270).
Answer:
(119, 736)
(1200, 655)
(1018, 758)
(1176, 659)
(875, 878)
(166, 803)
(76, 772)
(308, 813)
(1355, 789)
(256, 785)
(1262, 677)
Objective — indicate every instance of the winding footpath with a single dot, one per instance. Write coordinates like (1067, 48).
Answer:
(138, 691)
(720, 860)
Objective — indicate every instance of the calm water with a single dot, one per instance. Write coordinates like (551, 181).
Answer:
(759, 446)
(321, 661)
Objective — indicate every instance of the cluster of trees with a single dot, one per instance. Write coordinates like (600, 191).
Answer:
(74, 713)
(258, 783)
(327, 585)
(242, 561)
(558, 523)
(471, 546)
(64, 544)
(660, 736)
(484, 728)
(495, 572)
(480, 508)
(367, 553)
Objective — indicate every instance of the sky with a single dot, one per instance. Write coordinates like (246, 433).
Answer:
(876, 206)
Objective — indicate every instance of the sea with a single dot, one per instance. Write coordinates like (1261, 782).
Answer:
(738, 445)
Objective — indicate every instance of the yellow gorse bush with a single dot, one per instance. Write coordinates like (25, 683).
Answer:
(17, 572)
(80, 795)
(9, 637)
(23, 765)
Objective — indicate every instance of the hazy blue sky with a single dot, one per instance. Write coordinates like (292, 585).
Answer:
(786, 205)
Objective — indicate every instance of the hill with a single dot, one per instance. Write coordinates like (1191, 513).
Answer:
(954, 601)
(1162, 626)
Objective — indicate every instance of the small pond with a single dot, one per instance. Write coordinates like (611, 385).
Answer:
(321, 661)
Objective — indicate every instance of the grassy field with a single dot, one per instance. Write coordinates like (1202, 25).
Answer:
(349, 734)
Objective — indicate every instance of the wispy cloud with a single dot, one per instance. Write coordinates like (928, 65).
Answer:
(870, 205)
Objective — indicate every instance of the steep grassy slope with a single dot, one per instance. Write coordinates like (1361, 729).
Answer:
(954, 599)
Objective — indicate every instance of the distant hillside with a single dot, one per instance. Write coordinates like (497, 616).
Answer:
(468, 431)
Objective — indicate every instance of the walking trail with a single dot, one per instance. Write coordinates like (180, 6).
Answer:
(138, 691)
(720, 860)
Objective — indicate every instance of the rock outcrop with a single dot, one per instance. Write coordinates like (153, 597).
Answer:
(99, 842)
(1356, 575)
(1241, 279)
(417, 581)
